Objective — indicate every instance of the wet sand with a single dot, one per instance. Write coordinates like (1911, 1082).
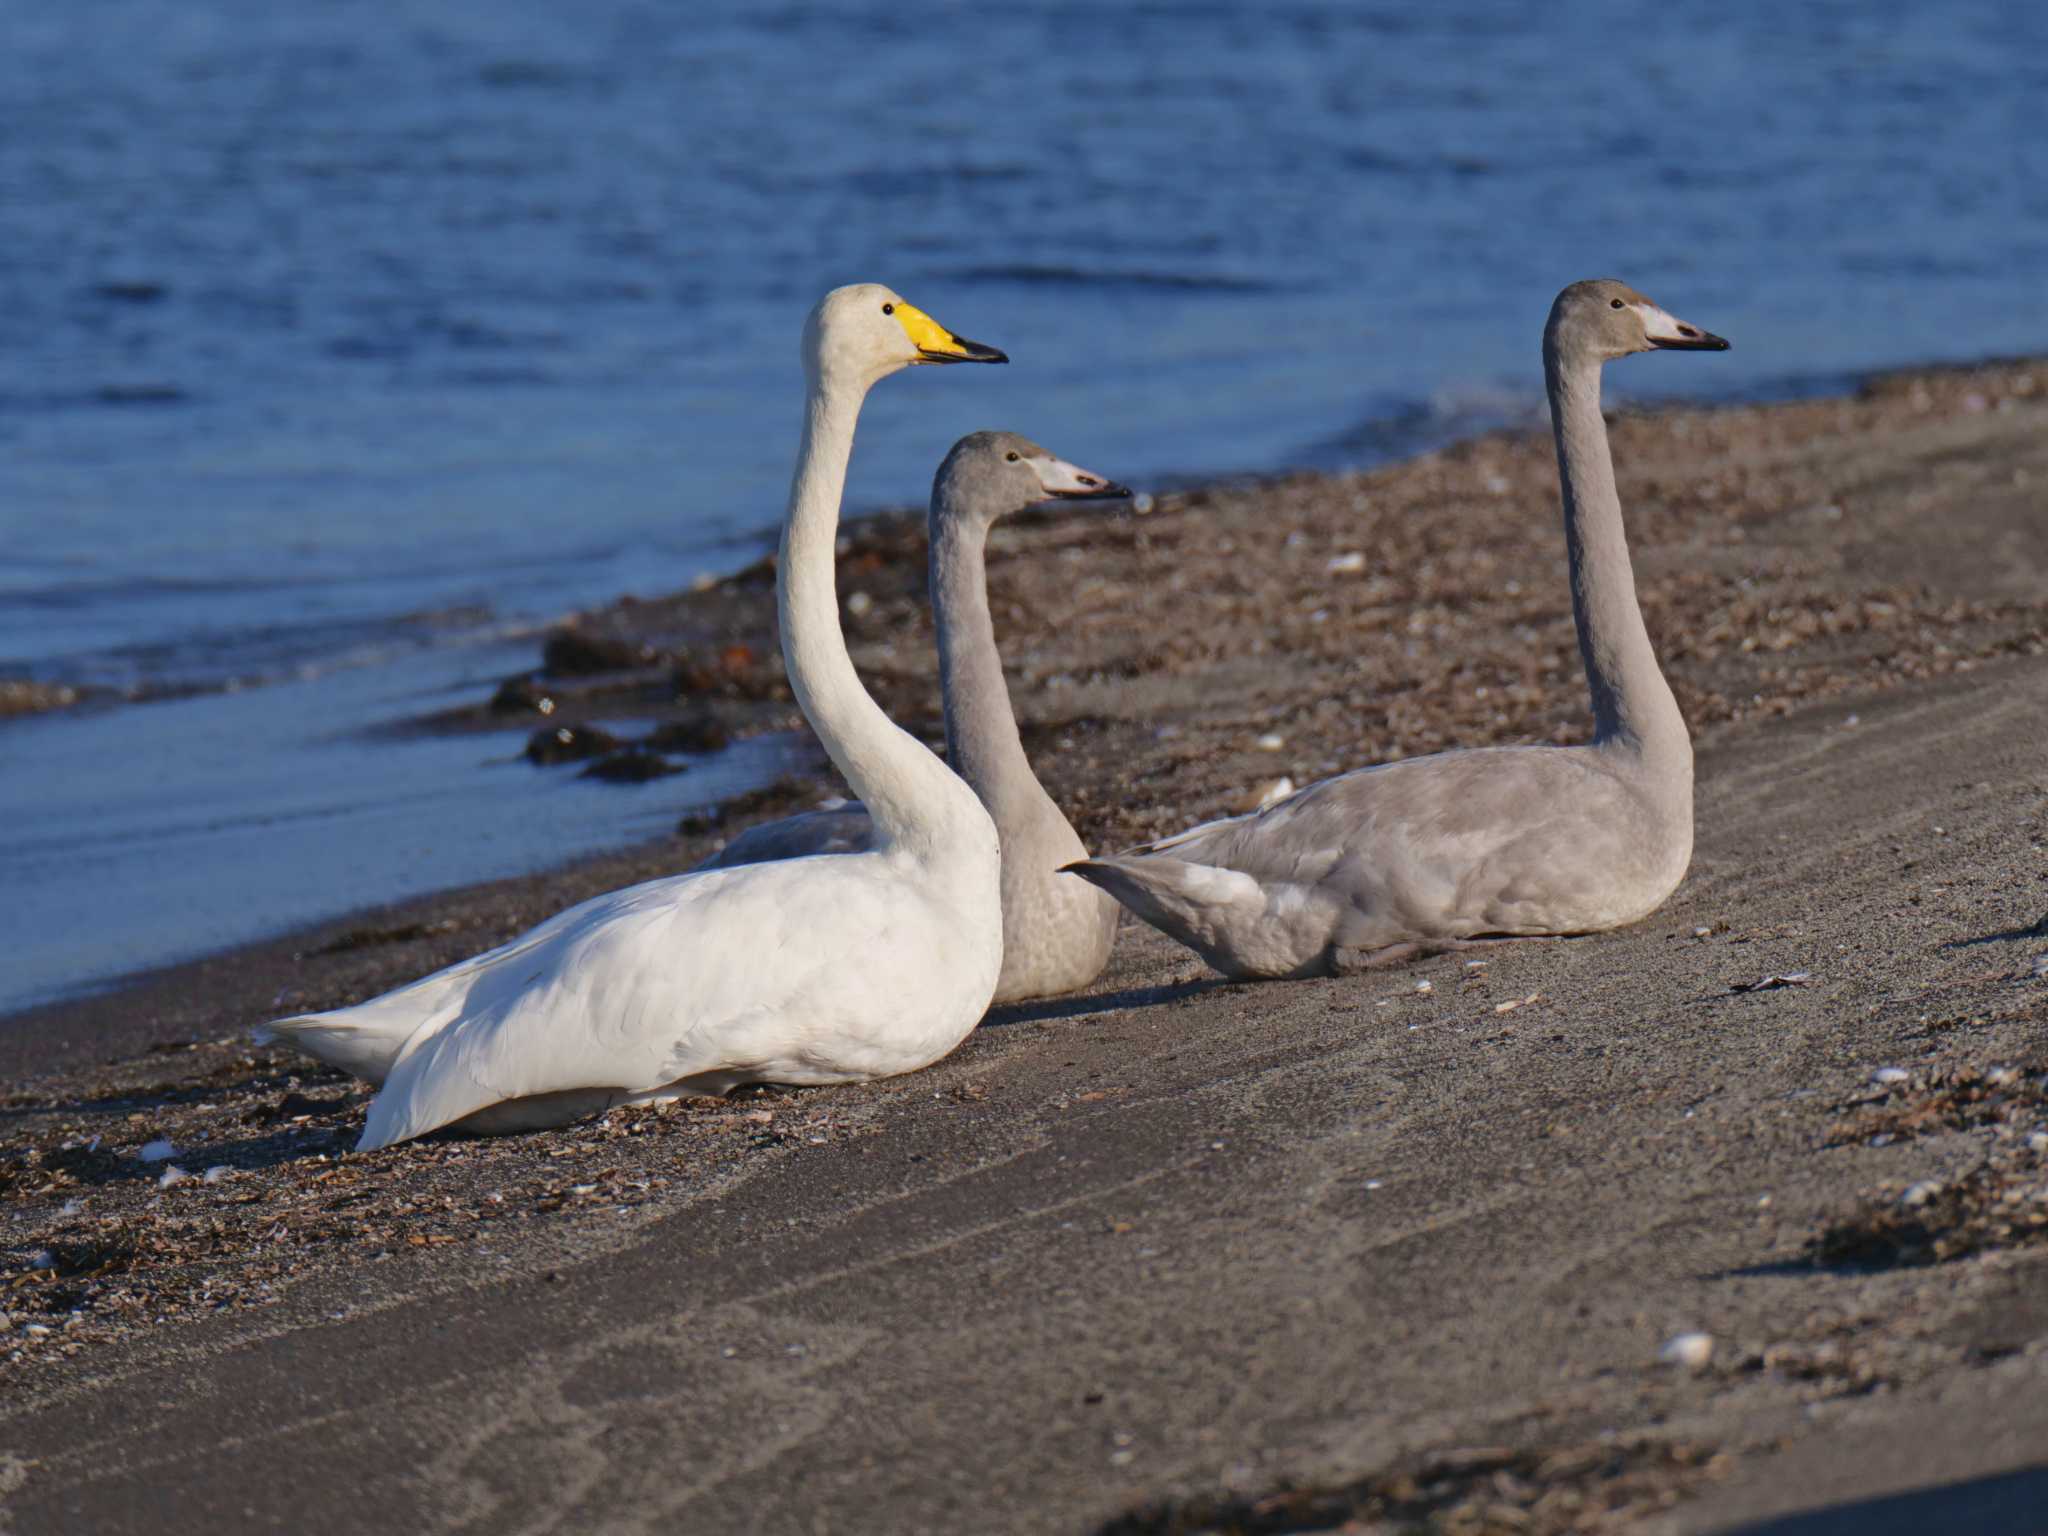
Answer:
(1179, 1254)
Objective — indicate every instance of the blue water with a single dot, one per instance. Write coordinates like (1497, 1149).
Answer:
(228, 844)
(357, 338)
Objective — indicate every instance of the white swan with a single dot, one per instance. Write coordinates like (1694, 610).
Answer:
(812, 971)
(1386, 862)
(1057, 933)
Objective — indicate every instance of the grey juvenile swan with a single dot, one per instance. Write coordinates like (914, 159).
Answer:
(1428, 854)
(1057, 933)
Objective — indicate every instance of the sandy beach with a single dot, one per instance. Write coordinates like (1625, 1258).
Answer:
(1735, 1214)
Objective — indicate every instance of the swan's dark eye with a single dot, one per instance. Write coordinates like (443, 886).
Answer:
(1011, 456)
(890, 309)
(1614, 303)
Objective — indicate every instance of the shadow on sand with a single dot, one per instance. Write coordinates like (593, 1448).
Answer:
(1047, 1009)
(2011, 1503)
(2036, 930)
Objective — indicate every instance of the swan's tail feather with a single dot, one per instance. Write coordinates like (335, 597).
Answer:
(1193, 903)
(363, 1041)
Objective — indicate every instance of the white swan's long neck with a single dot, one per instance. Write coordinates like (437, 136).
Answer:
(1632, 704)
(981, 727)
(912, 796)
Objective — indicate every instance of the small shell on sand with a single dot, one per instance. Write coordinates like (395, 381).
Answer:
(1693, 1351)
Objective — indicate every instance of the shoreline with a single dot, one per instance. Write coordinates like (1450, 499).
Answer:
(1851, 599)
(28, 694)
(699, 668)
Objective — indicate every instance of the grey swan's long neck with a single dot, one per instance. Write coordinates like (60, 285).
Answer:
(915, 799)
(982, 740)
(1633, 708)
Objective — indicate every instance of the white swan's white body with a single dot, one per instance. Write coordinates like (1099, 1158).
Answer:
(816, 970)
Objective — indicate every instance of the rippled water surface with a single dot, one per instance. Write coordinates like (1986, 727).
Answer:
(336, 336)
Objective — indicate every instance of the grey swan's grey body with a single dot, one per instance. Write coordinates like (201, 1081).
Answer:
(1426, 854)
(1057, 933)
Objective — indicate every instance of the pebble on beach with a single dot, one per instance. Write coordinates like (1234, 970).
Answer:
(1268, 794)
(1693, 1351)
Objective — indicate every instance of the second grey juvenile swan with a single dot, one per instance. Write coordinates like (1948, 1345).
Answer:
(1057, 933)
(1428, 854)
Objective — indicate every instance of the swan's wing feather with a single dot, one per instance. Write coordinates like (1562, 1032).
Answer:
(365, 1039)
(726, 969)
(1439, 840)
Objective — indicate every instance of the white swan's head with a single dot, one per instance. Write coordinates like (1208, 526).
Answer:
(1610, 319)
(991, 474)
(865, 332)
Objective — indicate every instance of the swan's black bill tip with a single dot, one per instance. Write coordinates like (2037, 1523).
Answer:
(970, 352)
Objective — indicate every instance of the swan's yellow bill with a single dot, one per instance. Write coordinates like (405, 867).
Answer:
(936, 344)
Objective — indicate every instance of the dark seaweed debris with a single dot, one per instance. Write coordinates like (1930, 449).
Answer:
(569, 744)
(635, 763)
(160, 1201)
(2001, 1203)
(1598, 1486)
(1945, 1100)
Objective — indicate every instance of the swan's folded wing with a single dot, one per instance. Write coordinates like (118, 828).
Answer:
(1452, 802)
(1511, 836)
(696, 973)
(367, 1038)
